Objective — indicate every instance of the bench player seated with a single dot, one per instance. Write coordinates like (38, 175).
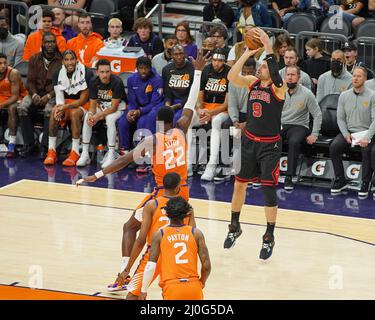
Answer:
(174, 251)
(154, 218)
(72, 95)
(107, 103)
(168, 150)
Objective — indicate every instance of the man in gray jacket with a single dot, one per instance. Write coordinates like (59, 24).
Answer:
(337, 80)
(355, 113)
(291, 59)
(10, 45)
(299, 103)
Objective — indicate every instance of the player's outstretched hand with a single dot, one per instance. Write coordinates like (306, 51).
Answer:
(262, 36)
(92, 178)
(201, 60)
(142, 296)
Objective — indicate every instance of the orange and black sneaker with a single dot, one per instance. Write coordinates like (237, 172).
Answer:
(71, 160)
(51, 158)
(120, 284)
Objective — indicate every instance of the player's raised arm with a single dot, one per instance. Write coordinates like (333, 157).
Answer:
(146, 146)
(148, 274)
(187, 114)
(203, 256)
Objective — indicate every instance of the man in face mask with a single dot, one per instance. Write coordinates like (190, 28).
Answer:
(162, 59)
(337, 80)
(299, 104)
(10, 45)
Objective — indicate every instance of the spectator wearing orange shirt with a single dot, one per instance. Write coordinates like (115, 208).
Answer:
(87, 43)
(34, 40)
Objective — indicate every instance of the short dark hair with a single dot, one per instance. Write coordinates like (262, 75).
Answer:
(171, 180)
(220, 30)
(69, 51)
(295, 67)
(290, 48)
(143, 61)
(250, 62)
(166, 115)
(48, 13)
(170, 37)
(3, 56)
(84, 15)
(177, 46)
(103, 62)
(48, 34)
(177, 208)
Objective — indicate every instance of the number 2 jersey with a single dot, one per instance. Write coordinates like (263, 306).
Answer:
(170, 155)
(178, 254)
(264, 113)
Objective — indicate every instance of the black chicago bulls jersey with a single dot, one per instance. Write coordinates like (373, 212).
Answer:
(264, 112)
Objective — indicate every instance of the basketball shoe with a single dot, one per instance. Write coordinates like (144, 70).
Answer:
(267, 247)
(233, 234)
(119, 285)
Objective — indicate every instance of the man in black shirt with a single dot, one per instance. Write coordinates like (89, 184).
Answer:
(107, 102)
(72, 95)
(177, 77)
(218, 11)
(351, 55)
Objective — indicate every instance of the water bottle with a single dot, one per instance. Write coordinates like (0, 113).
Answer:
(100, 151)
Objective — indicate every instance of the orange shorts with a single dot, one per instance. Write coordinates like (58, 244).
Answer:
(159, 191)
(135, 284)
(68, 112)
(177, 290)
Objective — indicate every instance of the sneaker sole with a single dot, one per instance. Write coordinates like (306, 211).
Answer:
(289, 188)
(123, 288)
(339, 190)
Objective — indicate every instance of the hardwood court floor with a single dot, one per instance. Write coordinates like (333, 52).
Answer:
(71, 237)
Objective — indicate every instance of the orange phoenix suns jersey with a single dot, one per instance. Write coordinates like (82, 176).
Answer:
(170, 155)
(159, 218)
(178, 254)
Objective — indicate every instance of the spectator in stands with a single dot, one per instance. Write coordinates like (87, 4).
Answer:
(145, 38)
(162, 59)
(218, 11)
(12, 91)
(107, 103)
(220, 35)
(87, 43)
(72, 102)
(355, 113)
(34, 40)
(360, 12)
(184, 38)
(208, 46)
(177, 77)
(348, 9)
(59, 23)
(255, 13)
(282, 42)
(212, 105)
(318, 61)
(350, 51)
(10, 45)
(291, 59)
(72, 16)
(145, 97)
(299, 103)
(285, 9)
(337, 80)
(42, 68)
(115, 39)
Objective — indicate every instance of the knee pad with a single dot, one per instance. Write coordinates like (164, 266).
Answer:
(270, 197)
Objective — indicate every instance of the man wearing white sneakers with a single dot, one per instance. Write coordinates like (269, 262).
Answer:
(107, 102)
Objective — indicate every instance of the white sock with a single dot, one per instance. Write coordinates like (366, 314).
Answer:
(12, 139)
(85, 148)
(124, 263)
(75, 145)
(111, 149)
(52, 143)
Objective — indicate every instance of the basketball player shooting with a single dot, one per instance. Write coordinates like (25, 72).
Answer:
(261, 141)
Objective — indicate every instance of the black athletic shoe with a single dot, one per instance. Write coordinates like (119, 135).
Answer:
(230, 241)
(201, 168)
(267, 248)
(221, 177)
(339, 185)
(364, 190)
(288, 183)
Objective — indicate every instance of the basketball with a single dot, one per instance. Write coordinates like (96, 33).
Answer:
(251, 41)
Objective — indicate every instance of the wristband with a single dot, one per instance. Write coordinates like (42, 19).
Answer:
(99, 174)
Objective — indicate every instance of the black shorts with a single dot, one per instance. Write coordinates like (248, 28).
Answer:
(260, 162)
